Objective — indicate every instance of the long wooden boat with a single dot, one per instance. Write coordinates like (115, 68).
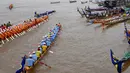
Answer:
(120, 64)
(17, 30)
(20, 29)
(127, 33)
(95, 9)
(74, 1)
(28, 69)
(45, 13)
(55, 2)
(117, 20)
(83, 2)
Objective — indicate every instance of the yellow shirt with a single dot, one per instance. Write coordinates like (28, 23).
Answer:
(44, 47)
(38, 53)
(124, 15)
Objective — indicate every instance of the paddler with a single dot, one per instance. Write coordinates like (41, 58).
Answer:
(30, 61)
(30, 20)
(4, 26)
(48, 41)
(8, 24)
(38, 53)
(36, 15)
(44, 47)
(34, 56)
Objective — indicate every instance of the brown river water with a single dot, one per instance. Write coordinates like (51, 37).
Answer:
(79, 48)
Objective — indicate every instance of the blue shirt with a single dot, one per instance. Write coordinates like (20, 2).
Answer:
(48, 43)
(34, 57)
(29, 62)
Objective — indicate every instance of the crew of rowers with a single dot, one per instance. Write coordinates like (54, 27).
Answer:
(45, 43)
(4, 26)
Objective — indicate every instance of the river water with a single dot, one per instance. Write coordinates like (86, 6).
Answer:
(79, 48)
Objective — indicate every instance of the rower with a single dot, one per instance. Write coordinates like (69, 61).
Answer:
(30, 61)
(38, 53)
(8, 24)
(40, 47)
(36, 15)
(30, 20)
(44, 47)
(48, 42)
(34, 56)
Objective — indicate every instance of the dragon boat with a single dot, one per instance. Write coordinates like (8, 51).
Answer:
(95, 9)
(127, 32)
(55, 2)
(43, 14)
(74, 1)
(83, 2)
(52, 37)
(120, 64)
(20, 29)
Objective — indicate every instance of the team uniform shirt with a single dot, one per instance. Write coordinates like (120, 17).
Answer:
(38, 53)
(34, 57)
(29, 62)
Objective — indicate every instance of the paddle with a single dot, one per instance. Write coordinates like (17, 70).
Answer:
(44, 64)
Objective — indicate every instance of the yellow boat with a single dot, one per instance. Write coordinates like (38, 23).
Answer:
(29, 69)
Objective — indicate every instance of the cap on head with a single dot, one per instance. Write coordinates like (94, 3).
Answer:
(39, 46)
(33, 52)
(44, 43)
(30, 56)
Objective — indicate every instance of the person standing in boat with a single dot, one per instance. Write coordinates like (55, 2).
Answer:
(30, 61)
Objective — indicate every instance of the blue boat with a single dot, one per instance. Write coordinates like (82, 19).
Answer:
(43, 14)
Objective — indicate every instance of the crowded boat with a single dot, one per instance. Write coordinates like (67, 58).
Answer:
(10, 32)
(30, 61)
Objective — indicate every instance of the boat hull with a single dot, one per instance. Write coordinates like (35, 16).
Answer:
(27, 69)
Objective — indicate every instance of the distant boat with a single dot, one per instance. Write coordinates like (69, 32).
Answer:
(83, 2)
(90, 0)
(73, 1)
(55, 2)
(11, 6)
